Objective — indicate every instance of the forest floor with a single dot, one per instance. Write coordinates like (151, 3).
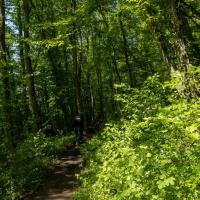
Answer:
(62, 183)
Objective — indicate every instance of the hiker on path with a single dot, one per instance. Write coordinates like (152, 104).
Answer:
(78, 126)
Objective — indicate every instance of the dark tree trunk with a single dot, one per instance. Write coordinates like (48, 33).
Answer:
(99, 78)
(6, 101)
(29, 70)
(91, 97)
(112, 93)
(132, 77)
(25, 109)
(77, 67)
(110, 43)
(163, 48)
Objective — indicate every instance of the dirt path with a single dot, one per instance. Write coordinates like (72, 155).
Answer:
(62, 183)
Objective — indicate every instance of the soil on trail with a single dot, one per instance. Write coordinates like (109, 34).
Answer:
(62, 183)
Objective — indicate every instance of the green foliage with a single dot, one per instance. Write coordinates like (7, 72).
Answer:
(30, 164)
(62, 55)
(151, 153)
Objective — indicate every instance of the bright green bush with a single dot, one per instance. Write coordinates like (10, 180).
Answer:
(153, 152)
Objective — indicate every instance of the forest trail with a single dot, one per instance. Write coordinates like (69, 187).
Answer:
(62, 183)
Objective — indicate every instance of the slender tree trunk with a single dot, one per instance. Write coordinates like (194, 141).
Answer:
(100, 90)
(110, 43)
(112, 93)
(132, 77)
(114, 62)
(79, 71)
(25, 109)
(91, 97)
(77, 67)
(156, 32)
(99, 78)
(65, 102)
(165, 56)
(163, 49)
(6, 103)
(29, 70)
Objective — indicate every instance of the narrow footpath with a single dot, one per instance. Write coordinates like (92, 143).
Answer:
(62, 184)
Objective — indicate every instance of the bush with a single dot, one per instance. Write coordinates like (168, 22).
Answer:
(153, 152)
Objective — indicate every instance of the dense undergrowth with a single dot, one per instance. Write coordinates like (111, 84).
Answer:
(32, 161)
(153, 152)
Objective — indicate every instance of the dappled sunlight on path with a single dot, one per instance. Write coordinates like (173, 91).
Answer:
(62, 183)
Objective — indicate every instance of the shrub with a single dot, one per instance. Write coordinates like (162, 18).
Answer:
(153, 152)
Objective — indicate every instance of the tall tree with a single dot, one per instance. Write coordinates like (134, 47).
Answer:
(77, 65)
(5, 72)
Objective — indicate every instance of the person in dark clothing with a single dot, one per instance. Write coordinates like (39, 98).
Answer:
(78, 128)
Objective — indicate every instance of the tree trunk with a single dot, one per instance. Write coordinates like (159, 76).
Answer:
(110, 43)
(77, 67)
(99, 79)
(25, 109)
(132, 78)
(163, 48)
(89, 98)
(177, 21)
(29, 70)
(6, 100)
(180, 44)
(112, 92)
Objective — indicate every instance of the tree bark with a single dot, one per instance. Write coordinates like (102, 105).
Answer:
(180, 44)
